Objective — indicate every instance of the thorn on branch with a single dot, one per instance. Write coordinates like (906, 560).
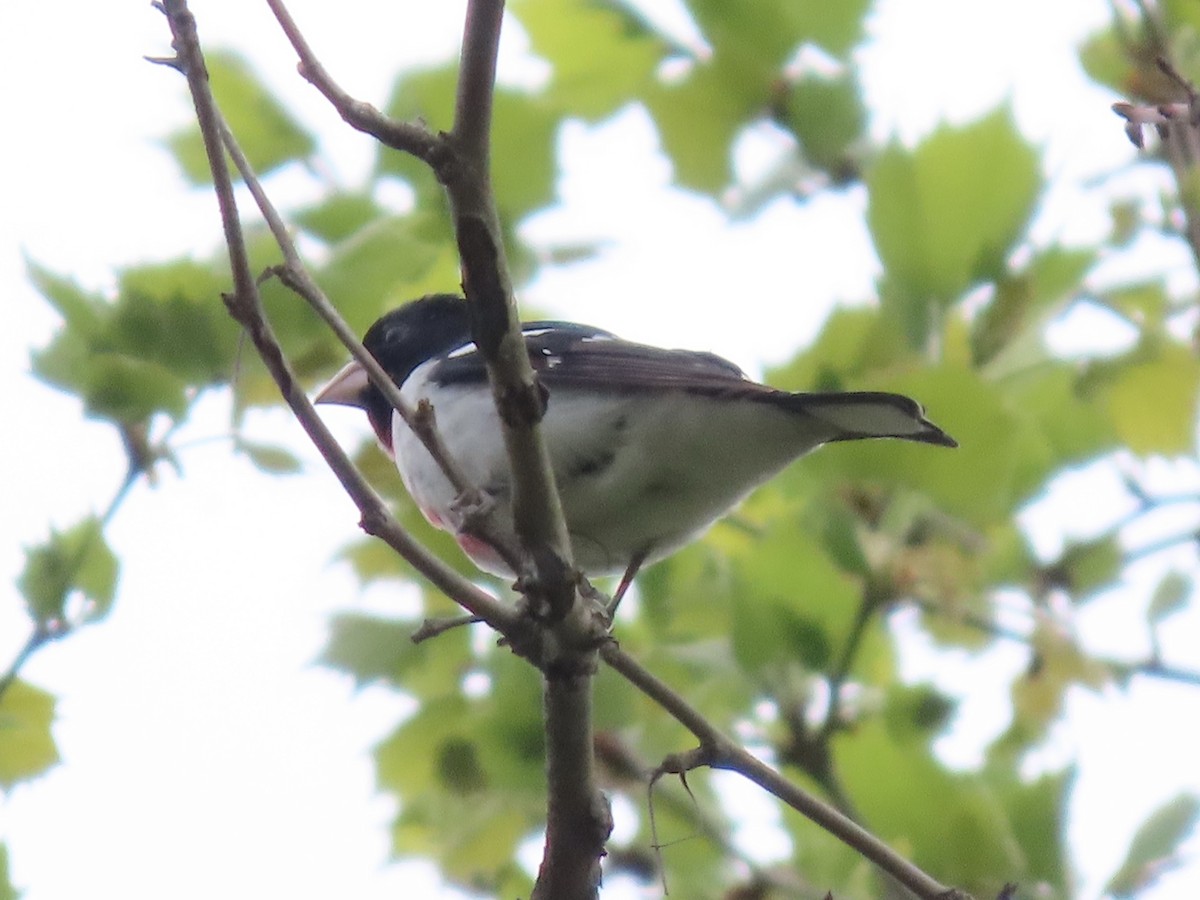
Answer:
(431, 628)
(171, 62)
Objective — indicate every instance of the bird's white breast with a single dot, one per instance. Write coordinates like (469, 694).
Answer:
(636, 473)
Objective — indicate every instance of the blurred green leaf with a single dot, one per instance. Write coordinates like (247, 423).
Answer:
(1155, 848)
(523, 153)
(1105, 60)
(171, 314)
(776, 29)
(889, 778)
(602, 59)
(698, 118)
(26, 744)
(827, 116)
(130, 389)
(338, 216)
(946, 215)
(523, 142)
(1088, 566)
(1169, 597)
(1023, 300)
(269, 458)
(372, 271)
(81, 311)
(792, 604)
(267, 133)
(1058, 664)
(1153, 403)
(78, 559)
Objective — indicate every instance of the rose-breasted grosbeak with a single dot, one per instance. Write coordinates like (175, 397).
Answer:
(649, 446)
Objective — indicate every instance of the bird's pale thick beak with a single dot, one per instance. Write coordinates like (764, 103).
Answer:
(347, 388)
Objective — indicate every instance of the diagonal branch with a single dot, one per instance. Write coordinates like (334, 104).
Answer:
(410, 138)
(296, 276)
(721, 752)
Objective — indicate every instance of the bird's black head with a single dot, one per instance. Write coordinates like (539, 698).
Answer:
(418, 331)
(401, 340)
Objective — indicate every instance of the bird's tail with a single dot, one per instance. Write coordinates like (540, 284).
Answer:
(866, 414)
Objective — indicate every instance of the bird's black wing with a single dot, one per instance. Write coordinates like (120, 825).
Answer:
(569, 355)
(575, 356)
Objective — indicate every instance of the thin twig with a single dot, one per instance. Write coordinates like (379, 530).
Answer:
(295, 275)
(408, 137)
(42, 634)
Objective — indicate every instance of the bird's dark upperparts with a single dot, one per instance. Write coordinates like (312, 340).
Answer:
(648, 446)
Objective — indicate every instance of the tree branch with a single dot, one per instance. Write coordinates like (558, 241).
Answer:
(407, 137)
(578, 822)
(718, 751)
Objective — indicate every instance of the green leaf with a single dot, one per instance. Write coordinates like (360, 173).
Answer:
(945, 215)
(792, 603)
(1023, 301)
(1170, 596)
(1058, 665)
(267, 133)
(127, 389)
(1155, 848)
(601, 58)
(81, 311)
(699, 118)
(372, 649)
(339, 216)
(368, 647)
(374, 269)
(890, 779)
(1037, 810)
(1088, 566)
(78, 559)
(171, 314)
(26, 744)
(1052, 397)
(1153, 403)
(1105, 57)
(269, 458)
(918, 710)
(827, 116)
(764, 36)
(523, 152)
(525, 127)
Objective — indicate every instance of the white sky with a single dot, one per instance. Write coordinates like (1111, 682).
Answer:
(204, 753)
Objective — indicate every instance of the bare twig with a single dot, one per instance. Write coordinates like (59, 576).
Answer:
(42, 634)
(410, 138)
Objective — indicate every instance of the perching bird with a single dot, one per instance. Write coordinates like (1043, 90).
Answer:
(649, 446)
